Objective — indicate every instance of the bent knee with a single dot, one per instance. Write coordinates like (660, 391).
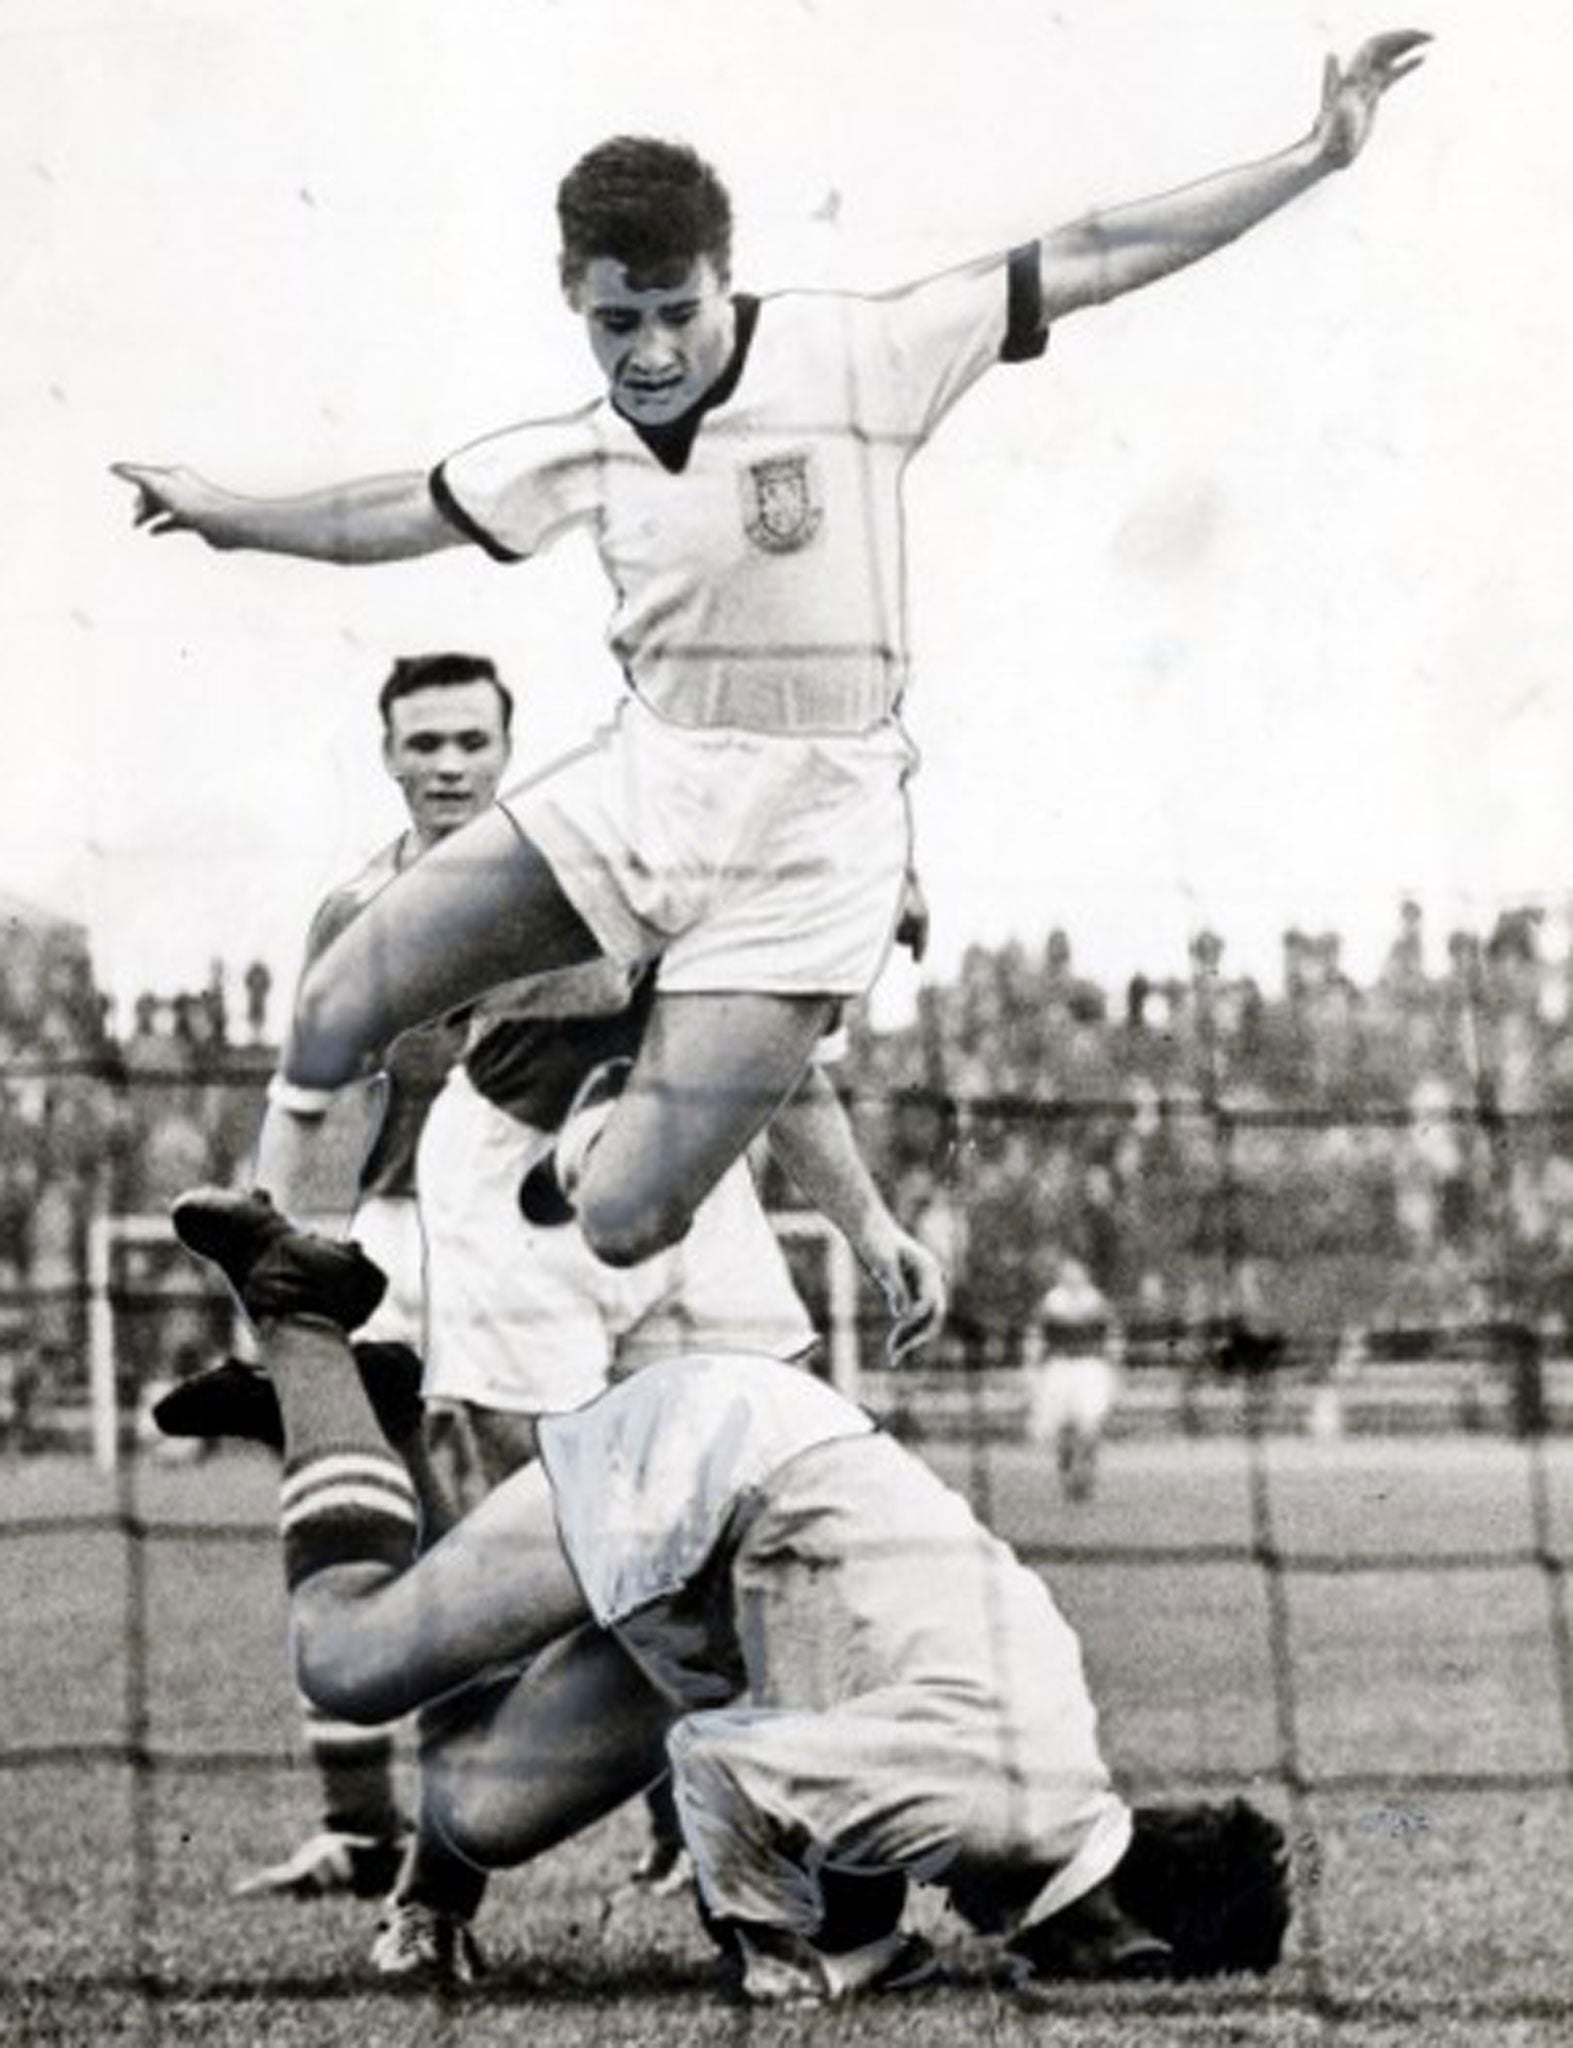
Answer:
(462, 1806)
(336, 1678)
(625, 1233)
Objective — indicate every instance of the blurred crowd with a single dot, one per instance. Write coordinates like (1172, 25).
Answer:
(1286, 1164)
(1291, 1163)
(100, 1117)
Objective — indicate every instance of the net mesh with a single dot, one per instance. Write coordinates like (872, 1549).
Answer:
(1353, 1514)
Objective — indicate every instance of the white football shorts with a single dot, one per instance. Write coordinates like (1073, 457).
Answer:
(745, 861)
(916, 1701)
(1076, 1391)
(527, 1319)
(388, 1230)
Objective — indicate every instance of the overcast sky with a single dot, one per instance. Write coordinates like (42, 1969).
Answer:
(1249, 606)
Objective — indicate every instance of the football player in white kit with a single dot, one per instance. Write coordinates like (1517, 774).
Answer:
(744, 820)
(721, 1564)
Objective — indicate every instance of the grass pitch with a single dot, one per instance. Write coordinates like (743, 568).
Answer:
(150, 1754)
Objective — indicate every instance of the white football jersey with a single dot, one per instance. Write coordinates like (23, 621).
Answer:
(646, 1477)
(760, 571)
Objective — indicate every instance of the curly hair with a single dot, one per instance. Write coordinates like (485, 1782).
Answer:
(1212, 1880)
(653, 206)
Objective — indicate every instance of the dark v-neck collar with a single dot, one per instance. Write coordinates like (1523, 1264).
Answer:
(672, 442)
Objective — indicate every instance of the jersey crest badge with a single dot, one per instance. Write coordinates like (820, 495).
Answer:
(780, 512)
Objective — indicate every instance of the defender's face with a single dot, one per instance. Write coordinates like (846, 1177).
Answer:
(446, 749)
(660, 346)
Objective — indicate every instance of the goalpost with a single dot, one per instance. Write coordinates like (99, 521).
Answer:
(807, 1228)
(110, 1238)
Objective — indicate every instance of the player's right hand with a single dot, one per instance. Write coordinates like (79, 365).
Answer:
(1350, 92)
(917, 1295)
(174, 500)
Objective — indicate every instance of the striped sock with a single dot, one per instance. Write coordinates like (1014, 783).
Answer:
(345, 1504)
(355, 1770)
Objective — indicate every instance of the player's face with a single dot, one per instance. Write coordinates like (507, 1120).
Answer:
(662, 346)
(447, 750)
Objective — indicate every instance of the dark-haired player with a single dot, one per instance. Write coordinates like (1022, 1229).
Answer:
(744, 821)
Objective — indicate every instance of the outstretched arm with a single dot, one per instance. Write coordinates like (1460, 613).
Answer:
(812, 1137)
(1090, 261)
(375, 519)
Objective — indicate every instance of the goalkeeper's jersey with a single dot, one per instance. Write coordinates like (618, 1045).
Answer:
(756, 549)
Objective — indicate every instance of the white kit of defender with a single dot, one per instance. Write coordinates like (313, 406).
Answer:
(526, 1319)
(745, 815)
(914, 1699)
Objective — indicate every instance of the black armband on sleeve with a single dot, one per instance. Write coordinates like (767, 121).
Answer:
(1026, 330)
(450, 508)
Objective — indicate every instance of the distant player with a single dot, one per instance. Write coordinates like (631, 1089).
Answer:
(744, 820)
(720, 1564)
(1072, 1367)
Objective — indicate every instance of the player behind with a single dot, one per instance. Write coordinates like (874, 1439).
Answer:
(744, 819)
(1071, 1361)
(721, 1564)
(446, 723)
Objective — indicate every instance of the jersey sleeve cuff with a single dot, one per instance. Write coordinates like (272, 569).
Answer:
(465, 522)
(298, 1100)
(1026, 329)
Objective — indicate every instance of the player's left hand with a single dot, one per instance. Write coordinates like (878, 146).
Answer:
(916, 1293)
(1350, 92)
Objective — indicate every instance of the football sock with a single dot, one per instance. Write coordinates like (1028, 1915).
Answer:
(345, 1497)
(435, 1875)
(355, 1769)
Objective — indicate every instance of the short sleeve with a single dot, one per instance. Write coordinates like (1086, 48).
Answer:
(340, 908)
(517, 491)
(938, 337)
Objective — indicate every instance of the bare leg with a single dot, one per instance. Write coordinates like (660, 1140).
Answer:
(538, 1756)
(483, 907)
(480, 908)
(373, 1643)
(711, 1072)
(464, 1454)
(375, 1632)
